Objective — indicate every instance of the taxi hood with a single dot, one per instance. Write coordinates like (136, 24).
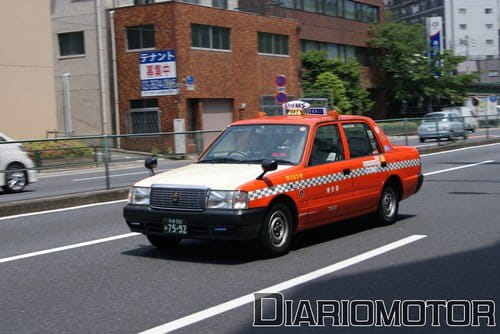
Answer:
(213, 176)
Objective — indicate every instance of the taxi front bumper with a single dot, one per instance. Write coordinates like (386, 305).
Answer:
(208, 224)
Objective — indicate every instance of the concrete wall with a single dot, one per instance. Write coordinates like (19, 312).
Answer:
(27, 109)
(71, 16)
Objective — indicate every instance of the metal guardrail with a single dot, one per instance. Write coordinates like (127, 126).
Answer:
(104, 149)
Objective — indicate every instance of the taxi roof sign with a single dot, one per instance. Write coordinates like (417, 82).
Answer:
(295, 107)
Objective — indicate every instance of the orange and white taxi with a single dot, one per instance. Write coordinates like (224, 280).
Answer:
(268, 178)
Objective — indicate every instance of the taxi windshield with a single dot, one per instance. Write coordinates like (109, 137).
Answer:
(257, 142)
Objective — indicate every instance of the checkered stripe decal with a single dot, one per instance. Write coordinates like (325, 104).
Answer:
(330, 178)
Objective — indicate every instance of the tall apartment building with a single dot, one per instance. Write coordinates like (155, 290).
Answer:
(27, 109)
(471, 29)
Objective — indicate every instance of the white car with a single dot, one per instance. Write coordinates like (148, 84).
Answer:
(16, 168)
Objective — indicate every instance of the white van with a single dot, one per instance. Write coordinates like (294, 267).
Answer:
(471, 122)
(16, 168)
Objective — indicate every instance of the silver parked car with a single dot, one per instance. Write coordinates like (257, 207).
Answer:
(445, 124)
(16, 168)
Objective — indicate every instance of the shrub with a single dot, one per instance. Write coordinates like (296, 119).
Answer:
(395, 128)
(64, 149)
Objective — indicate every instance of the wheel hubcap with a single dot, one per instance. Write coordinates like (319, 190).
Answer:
(278, 229)
(389, 202)
(16, 180)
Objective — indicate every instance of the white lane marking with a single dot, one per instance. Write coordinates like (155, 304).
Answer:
(235, 303)
(63, 248)
(61, 210)
(459, 167)
(458, 149)
(116, 175)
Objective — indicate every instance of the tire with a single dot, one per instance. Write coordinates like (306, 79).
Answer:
(277, 231)
(387, 211)
(422, 140)
(163, 242)
(15, 178)
(451, 137)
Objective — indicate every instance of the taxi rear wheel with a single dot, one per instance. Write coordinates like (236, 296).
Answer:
(387, 211)
(277, 231)
(163, 242)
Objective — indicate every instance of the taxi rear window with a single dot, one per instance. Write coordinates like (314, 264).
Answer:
(361, 140)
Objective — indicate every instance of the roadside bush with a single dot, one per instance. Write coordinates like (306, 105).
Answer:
(64, 149)
(395, 128)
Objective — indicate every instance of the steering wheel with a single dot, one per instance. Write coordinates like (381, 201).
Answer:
(240, 153)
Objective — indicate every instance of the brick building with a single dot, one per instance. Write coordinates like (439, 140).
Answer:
(341, 27)
(234, 58)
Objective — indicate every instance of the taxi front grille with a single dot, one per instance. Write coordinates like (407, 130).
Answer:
(178, 198)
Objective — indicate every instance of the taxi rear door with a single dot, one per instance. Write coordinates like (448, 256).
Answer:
(366, 161)
(328, 184)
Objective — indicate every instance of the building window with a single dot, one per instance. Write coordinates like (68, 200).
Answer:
(350, 9)
(462, 10)
(71, 44)
(488, 10)
(210, 37)
(273, 43)
(493, 74)
(489, 41)
(463, 26)
(310, 6)
(140, 37)
(269, 105)
(144, 116)
(489, 26)
(143, 2)
(331, 7)
(219, 4)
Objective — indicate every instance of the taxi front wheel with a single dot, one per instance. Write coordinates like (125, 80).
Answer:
(163, 242)
(388, 206)
(277, 231)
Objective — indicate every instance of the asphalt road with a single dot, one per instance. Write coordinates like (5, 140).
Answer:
(124, 285)
(124, 174)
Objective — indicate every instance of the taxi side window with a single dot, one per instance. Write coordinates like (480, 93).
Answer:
(327, 146)
(361, 140)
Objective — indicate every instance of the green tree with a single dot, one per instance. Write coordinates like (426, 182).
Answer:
(329, 85)
(315, 63)
(411, 77)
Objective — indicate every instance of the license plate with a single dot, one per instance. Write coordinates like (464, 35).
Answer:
(174, 226)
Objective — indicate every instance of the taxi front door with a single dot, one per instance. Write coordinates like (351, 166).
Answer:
(328, 182)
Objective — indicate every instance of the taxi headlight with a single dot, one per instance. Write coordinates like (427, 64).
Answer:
(223, 199)
(139, 195)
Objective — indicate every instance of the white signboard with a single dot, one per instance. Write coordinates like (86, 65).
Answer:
(158, 73)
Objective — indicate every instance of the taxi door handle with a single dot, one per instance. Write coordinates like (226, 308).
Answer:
(383, 164)
(346, 171)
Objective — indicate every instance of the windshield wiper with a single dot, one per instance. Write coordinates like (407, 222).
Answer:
(280, 161)
(219, 160)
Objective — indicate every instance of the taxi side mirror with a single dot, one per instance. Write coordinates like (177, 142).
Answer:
(267, 166)
(151, 163)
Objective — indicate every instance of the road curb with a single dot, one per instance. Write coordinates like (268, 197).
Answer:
(448, 147)
(62, 201)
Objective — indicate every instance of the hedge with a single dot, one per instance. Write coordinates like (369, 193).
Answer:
(64, 149)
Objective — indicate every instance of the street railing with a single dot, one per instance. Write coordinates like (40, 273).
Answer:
(108, 151)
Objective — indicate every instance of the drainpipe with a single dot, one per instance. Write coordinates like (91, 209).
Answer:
(68, 128)
(115, 77)
(100, 57)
